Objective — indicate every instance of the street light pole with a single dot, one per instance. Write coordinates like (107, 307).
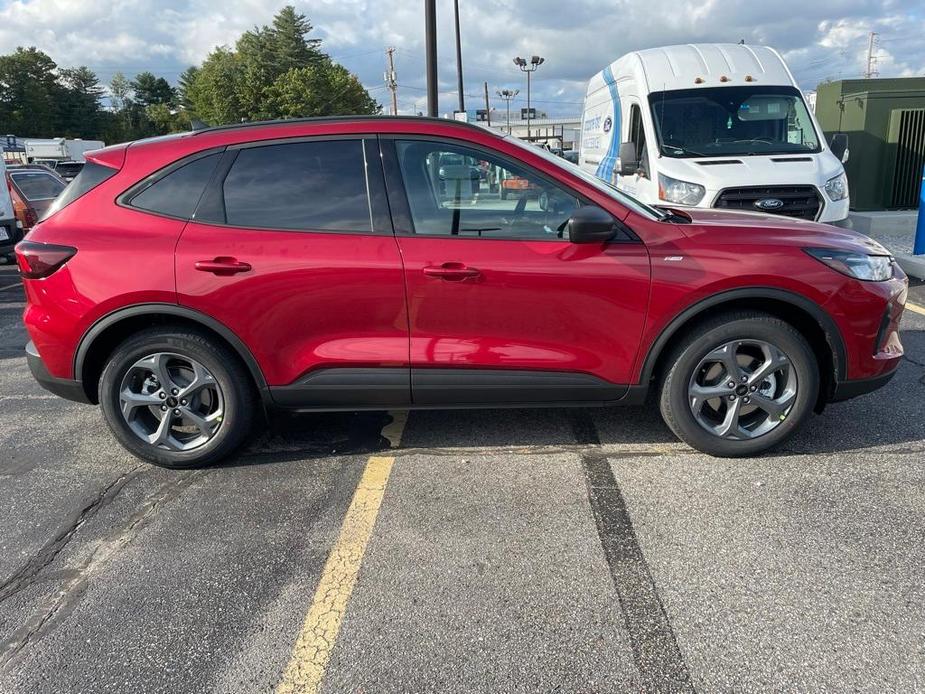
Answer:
(508, 95)
(430, 30)
(529, 67)
(459, 71)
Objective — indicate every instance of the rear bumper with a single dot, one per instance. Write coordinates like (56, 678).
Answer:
(14, 235)
(845, 390)
(62, 387)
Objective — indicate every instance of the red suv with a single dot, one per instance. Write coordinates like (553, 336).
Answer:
(190, 283)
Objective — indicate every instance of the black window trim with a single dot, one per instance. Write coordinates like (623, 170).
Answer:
(380, 219)
(124, 199)
(401, 208)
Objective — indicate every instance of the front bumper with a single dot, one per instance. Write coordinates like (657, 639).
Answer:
(845, 390)
(62, 387)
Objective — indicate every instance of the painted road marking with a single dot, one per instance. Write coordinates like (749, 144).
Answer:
(915, 308)
(10, 286)
(313, 647)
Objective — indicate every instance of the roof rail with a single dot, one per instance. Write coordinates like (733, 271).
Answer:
(336, 119)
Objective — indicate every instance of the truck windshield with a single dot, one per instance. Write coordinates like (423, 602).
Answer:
(738, 121)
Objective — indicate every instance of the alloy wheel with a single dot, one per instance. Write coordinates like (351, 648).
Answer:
(743, 389)
(171, 401)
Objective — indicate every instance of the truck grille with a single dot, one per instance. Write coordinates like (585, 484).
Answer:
(798, 201)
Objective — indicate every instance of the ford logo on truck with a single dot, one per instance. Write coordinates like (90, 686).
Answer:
(769, 204)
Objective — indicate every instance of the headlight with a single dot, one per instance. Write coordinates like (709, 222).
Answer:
(837, 188)
(874, 268)
(681, 192)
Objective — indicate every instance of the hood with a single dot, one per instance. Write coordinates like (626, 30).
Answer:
(767, 229)
(716, 173)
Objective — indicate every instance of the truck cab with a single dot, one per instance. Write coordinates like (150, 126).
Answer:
(712, 125)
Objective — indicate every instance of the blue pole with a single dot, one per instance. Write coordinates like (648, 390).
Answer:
(919, 247)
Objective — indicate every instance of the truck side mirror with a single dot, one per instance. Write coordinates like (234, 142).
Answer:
(839, 146)
(628, 164)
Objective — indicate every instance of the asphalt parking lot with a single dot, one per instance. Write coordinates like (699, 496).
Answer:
(510, 550)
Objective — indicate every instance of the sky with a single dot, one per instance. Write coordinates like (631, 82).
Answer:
(820, 39)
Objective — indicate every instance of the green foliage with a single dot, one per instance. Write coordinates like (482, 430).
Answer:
(273, 71)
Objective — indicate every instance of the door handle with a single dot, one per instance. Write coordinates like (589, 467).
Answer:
(222, 266)
(451, 272)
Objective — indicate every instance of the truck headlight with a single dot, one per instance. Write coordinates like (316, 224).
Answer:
(873, 268)
(837, 188)
(681, 192)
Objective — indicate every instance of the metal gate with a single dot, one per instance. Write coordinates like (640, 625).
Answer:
(910, 157)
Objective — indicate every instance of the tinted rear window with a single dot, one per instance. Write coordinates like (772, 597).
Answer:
(299, 186)
(89, 178)
(37, 185)
(177, 193)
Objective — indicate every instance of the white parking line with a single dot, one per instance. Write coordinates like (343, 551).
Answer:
(10, 286)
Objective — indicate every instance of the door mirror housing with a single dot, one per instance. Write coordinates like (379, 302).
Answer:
(591, 224)
(839, 146)
(628, 164)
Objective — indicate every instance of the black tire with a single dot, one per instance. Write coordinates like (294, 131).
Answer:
(240, 398)
(687, 355)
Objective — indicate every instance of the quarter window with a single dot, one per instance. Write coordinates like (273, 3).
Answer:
(177, 193)
(305, 186)
(457, 191)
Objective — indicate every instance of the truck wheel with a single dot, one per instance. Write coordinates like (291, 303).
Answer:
(177, 398)
(739, 385)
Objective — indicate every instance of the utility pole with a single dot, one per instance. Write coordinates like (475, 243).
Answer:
(487, 107)
(430, 30)
(872, 44)
(459, 71)
(529, 68)
(508, 96)
(391, 80)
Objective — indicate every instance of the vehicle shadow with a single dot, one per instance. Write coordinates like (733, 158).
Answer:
(893, 417)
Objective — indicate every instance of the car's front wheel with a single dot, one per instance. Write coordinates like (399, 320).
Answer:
(177, 398)
(739, 385)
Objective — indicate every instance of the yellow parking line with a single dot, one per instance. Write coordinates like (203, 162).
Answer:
(313, 647)
(915, 308)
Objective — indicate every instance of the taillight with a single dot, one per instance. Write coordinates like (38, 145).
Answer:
(38, 260)
(30, 218)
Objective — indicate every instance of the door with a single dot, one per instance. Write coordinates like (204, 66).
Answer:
(503, 309)
(292, 249)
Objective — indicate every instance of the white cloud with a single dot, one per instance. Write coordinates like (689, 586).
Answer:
(822, 39)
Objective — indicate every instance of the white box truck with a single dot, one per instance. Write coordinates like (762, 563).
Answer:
(712, 125)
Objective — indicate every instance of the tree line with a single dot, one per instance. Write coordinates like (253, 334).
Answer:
(273, 71)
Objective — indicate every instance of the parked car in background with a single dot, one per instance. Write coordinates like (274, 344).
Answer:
(33, 189)
(10, 231)
(190, 283)
(712, 125)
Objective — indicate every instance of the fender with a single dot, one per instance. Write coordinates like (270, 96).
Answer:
(157, 309)
(825, 321)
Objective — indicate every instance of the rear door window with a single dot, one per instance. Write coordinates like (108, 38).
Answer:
(177, 193)
(302, 186)
(37, 185)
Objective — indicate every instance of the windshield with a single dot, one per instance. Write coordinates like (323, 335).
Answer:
(738, 121)
(37, 185)
(618, 195)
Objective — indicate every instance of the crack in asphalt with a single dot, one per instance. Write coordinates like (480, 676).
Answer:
(65, 600)
(27, 573)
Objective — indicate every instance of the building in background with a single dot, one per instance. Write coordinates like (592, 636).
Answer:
(558, 133)
(885, 123)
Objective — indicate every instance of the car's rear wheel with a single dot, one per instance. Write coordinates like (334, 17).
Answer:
(739, 385)
(177, 398)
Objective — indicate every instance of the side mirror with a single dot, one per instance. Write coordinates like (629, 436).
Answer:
(839, 146)
(628, 164)
(591, 224)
